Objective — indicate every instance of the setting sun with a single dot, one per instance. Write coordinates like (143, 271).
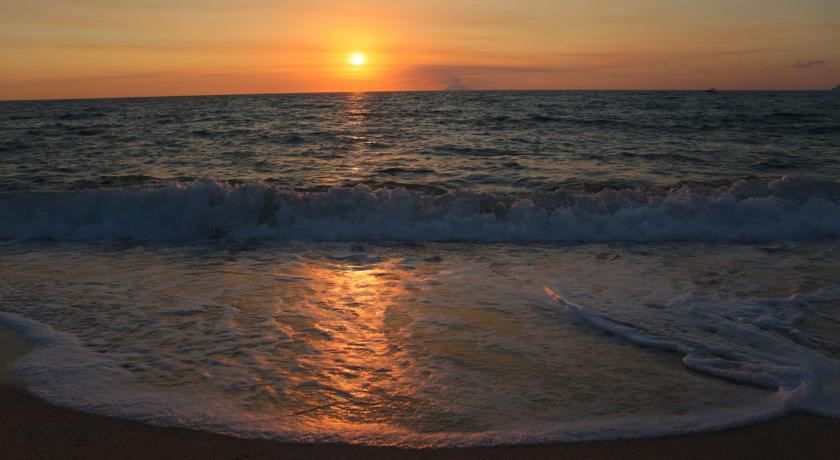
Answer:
(357, 59)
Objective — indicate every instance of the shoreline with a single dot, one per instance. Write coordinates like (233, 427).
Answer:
(32, 428)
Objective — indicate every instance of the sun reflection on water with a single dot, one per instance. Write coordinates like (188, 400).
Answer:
(354, 370)
(389, 343)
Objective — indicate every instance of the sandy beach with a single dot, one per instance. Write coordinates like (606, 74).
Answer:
(33, 429)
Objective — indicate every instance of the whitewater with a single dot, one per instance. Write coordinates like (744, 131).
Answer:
(781, 209)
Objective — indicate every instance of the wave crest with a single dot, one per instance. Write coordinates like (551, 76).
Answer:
(788, 208)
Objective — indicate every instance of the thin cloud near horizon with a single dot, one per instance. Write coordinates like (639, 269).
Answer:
(808, 64)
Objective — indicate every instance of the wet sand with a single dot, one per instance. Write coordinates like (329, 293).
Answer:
(33, 429)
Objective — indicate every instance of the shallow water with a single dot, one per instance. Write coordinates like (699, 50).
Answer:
(431, 344)
(427, 269)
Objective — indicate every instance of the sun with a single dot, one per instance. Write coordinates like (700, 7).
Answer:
(357, 59)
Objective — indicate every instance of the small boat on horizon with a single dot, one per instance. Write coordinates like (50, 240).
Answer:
(711, 90)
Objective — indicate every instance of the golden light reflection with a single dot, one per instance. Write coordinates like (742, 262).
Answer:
(356, 369)
(353, 118)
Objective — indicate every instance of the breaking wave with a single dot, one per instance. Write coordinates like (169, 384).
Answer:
(787, 208)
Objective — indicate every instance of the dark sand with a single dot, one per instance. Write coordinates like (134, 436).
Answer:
(33, 429)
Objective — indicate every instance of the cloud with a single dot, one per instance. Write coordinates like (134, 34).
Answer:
(445, 73)
(450, 71)
(807, 64)
(479, 75)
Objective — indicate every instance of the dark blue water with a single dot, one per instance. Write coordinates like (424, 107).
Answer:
(476, 166)
(437, 142)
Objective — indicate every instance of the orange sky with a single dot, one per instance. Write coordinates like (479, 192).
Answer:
(105, 48)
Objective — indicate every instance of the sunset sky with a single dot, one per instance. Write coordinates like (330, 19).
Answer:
(105, 48)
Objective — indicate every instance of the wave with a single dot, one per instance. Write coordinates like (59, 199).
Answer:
(750, 345)
(783, 209)
(64, 372)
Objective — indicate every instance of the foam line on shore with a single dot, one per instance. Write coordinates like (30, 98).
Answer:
(61, 371)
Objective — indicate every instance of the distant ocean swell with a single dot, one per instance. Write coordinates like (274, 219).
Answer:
(787, 208)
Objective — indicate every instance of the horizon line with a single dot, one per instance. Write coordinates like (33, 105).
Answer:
(280, 93)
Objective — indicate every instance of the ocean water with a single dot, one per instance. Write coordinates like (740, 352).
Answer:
(427, 269)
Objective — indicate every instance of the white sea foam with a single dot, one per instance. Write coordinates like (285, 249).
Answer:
(427, 345)
(65, 373)
(741, 348)
(792, 209)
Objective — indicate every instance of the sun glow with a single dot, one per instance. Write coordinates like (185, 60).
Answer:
(357, 59)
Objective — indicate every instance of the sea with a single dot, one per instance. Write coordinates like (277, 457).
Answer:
(426, 269)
